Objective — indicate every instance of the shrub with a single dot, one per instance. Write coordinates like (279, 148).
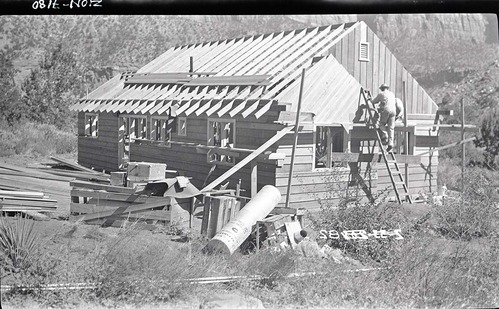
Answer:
(36, 139)
(472, 214)
(18, 243)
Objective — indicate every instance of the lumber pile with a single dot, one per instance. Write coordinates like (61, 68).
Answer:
(109, 205)
(19, 201)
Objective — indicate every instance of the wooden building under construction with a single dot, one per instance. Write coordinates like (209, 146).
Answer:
(204, 109)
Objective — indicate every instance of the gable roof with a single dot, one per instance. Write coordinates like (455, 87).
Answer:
(242, 76)
(328, 90)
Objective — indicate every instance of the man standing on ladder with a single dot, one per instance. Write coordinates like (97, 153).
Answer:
(386, 115)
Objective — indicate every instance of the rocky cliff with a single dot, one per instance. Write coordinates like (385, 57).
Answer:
(426, 43)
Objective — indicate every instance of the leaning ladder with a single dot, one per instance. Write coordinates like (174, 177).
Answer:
(390, 161)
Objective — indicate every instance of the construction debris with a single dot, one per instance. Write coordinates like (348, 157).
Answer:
(233, 234)
(18, 201)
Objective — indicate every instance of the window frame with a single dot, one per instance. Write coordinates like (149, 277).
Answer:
(210, 133)
(181, 120)
(89, 132)
(128, 128)
(165, 138)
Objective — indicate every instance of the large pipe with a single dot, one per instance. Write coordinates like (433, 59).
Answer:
(232, 235)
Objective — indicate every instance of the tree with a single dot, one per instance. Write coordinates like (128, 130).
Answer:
(9, 100)
(50, 89)
(489, 138)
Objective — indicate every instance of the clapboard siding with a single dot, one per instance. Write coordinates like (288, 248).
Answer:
(99, 152)
(310, 187)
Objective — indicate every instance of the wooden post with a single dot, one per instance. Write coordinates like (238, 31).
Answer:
(296, 138)
(191, 62)
(254, 178)
(406, 136)
(463, 148)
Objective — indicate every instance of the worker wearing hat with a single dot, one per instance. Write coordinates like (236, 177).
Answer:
(387, 112)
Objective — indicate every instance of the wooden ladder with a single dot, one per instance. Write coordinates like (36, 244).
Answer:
(390, 160)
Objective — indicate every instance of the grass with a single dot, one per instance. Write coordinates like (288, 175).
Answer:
(432, 267)
(36, 140)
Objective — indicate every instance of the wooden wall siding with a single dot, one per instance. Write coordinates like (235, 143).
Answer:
(249, 134)
(99, 152)
(311, 188)
(383, 67)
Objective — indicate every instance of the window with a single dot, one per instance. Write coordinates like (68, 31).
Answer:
(162, 128)
(135, 126)
(91, 124)
(221, 133)
(363, 51)
(327, 141)
(182, 126)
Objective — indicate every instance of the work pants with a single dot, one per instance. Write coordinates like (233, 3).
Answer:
(387, 125)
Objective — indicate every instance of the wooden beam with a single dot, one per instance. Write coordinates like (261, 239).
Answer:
(97, 186)
(248, 159)
(295, 141)
(447, 146)
(75, 165)
(457, 127)
(125, 210)
(200, 146)
(370, 157)
(254, 178)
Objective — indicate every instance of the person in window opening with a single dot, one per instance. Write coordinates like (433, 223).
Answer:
(387, 112)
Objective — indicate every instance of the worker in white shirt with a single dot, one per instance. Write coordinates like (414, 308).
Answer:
(399, 107)
(387, 111)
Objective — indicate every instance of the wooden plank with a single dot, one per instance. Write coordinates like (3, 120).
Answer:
(370, 64)
(28, 194)
(350, 39)
(102, 195)
(376, 64)
(74, 165)
(80, 208)
(246, 160)
(125, 210)
(393, 74)
(356, 51)
(97, 186)
(366, 157)
(414, 91)
(9, 169)
(447, 146)
(254, 178)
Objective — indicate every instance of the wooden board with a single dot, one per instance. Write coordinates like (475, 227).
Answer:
(125, 210)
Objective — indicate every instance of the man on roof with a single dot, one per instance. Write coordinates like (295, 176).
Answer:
(387, 112)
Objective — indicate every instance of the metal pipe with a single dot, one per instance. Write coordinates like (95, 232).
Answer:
(232, 235)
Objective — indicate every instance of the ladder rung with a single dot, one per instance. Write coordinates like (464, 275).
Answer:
(396, 172)
(391, 161)
(400, 183)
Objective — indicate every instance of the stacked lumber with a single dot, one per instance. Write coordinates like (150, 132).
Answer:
(18, 201)
(109, 205)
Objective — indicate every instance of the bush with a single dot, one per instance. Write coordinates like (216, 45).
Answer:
(18, 243)
(473, 216)
(36, 140)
